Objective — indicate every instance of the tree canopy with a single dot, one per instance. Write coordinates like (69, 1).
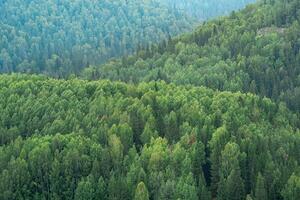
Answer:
(211, 114)
(254, 50)
(76, 139)
(60, 38)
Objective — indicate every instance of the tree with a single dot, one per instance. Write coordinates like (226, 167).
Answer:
(40, 165)
(203, 192)
(186, 188)
(230, 159)
(172, 127)
(125, 134)
(231, 185)
(56, 180)
(116, 150)
(167, 190)
(149, 131)
(101, 192)
(235, 186)
(141, 192)
(260, 190)
(85, 190)
(291, 190)
(14, 181)
(216, 145)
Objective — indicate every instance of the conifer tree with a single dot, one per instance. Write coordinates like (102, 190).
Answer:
(260, 190)
(141, 192)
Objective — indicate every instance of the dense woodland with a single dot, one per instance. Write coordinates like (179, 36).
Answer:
(255, 50)
(62, 37)
(102, 140)
(212, 114)
(206, 9)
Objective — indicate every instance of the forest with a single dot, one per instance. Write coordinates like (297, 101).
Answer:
(207, 9)
(74, 139)
(59, 38)
(169, 100)
(62, 37)
(255, 50)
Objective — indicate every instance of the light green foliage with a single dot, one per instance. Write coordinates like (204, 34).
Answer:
(292, 188)
(84, 191)
(141, 192)
(159, 136)
(76, 139)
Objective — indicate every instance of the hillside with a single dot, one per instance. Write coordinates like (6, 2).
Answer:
(62, 37)
(254, 50)
(207, 9)
(59, 38)
(213, 114)
(73, 139)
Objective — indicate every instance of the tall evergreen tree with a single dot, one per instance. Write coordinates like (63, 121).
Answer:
(260, 188)
(292, 188)
(141, 192)
(235, 186)
(85, 190)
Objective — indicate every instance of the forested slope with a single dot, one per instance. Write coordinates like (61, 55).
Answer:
(207, 9)
(62, 37)
(255, 50)
(73, 139)
(187, 124)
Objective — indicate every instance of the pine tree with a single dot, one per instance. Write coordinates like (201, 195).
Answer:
(85, 190)
(186, 188)
(149, 131)
(234, 187)
(101, 189)
(292, 188)
(141, 192)
(216, 145)
(260, 190)
(203, 192)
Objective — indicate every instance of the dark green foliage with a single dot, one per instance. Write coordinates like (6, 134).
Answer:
(79, 139)
(205, 9)
(69, 142)
(255, 50)
(203, 192)
(63, 37)
(85, 190)
(292, 188)
(260, 188)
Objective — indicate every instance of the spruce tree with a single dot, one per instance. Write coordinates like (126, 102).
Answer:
(260, 190)
(141, 192)
(235, 186)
